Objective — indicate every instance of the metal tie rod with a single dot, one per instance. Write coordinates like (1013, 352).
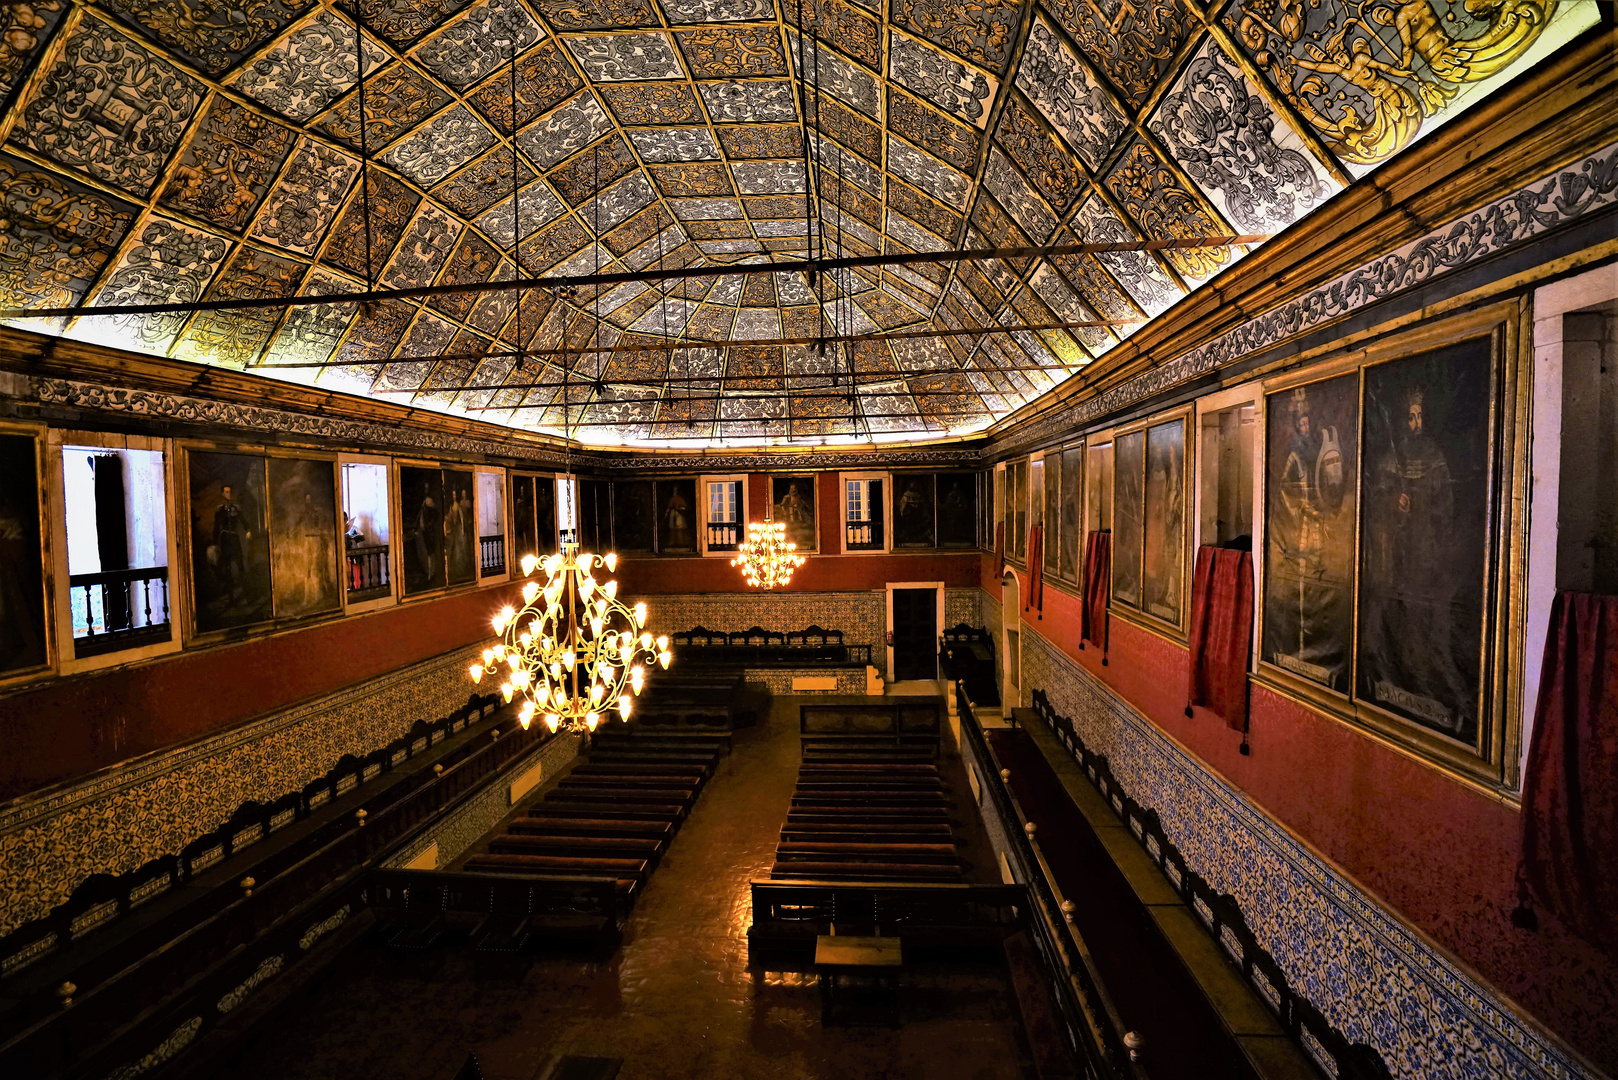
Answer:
(574, 281)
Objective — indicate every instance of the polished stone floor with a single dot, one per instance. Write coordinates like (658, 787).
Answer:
(678, 999)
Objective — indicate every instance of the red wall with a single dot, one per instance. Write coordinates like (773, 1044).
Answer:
(1440, 853)
(653, 576)
(73, 726)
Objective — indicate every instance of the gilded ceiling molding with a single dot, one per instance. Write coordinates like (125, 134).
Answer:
(254, 419)
(1577, 191)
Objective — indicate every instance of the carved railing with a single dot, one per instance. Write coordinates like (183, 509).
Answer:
(811, 647)
(1219, 913)
(197, 952)
(1092, 1025)
(119, 609)
(791, 914)
(369, 575)
(724, 535)
(492, 554)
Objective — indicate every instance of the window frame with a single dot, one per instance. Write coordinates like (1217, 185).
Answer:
(505, 523)
(843, 479)
(379, 602)
(57, 441)
(742, 516)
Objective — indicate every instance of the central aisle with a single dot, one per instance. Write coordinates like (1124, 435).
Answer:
(676, 1000)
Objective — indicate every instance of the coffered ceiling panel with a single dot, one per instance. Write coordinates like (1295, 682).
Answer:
(229, 149)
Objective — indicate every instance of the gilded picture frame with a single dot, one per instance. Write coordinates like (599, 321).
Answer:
(1483, 750)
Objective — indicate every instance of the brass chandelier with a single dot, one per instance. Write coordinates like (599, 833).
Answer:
(767, 557)
(573, 650)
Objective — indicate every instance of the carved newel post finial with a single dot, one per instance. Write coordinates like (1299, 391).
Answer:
(1030, 829)
(1134, 1042)
(65, 993)
(1005, 774)
(247, 886)
(1067, 911)
(359, 816)
(438, 770)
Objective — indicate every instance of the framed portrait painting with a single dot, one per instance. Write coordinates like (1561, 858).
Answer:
(1394, 481)
(792, 502)
(913, 511)
(230, 542)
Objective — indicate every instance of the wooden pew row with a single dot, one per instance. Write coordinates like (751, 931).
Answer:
(875, 814)
(853, 871)
(625, 847)
(630, 874)
(551, 825)
(941, 854)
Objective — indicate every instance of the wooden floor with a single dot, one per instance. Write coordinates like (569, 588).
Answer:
(677, 999)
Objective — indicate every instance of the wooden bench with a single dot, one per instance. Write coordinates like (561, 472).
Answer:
(552, 806)
(839, 851)
(564, 826)
(873, 814)
(852, 871)
(629, 873)
(594, 846)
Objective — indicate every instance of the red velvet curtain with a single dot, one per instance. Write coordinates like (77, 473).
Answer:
(1221, 633)
(1570, 793)
(1036, 569)
(1097, 588)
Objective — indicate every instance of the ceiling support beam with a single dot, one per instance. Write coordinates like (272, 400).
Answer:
(680, 344)
(564, 283)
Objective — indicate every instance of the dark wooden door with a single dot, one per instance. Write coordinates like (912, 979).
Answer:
(915, 634)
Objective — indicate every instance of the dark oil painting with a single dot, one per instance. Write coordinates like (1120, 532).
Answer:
(1098, 489)
(792, 501)
(524, 530)
(1128, 517)
(545, 513)
(632, 516)
(22, 583)
(303, 536)
(1424, 536)
(1165, 521)
(677, 517)
(421, 498)
(1311, 459)
(1017, 508)
(460, 527)
(913, 502)
(1052, 516)
(957, 510)
(230, 546)
(595, 517)
(1070, 518)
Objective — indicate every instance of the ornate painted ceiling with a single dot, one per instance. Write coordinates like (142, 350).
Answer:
(183, 150)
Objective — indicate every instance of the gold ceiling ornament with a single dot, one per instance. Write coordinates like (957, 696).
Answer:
(767, 557)
(573, 650)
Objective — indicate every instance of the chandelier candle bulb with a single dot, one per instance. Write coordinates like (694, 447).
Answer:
(766, 558)
(579, 647)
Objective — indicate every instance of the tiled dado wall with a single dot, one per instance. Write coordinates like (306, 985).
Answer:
(461, 829)
(1374, 979)
(120, 818)
(861, 616)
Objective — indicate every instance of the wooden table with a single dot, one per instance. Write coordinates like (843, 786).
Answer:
(859, 979)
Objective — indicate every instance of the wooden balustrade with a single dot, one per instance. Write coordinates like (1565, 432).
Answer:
(119, 609)
(492, 555)
(369, 573)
